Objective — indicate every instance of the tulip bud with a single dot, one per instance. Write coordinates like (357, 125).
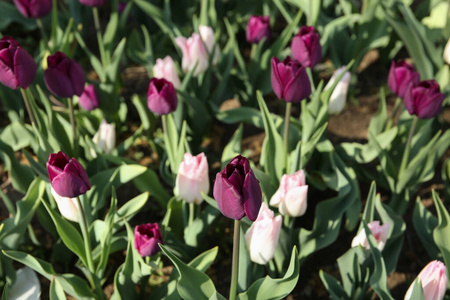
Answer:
(433, 279)
(67, 176)
(93, 2)
(237, 190)
(146, 239)
(26, 286)
(17, 67)
(68, 207)
(289, 80)
(291, 196)
(64, 77)
(424, 100)
(305, 47)
(262, 237)
(258, 27)
(34, 9)
(165, 68)
(89, 99)
(192, 178)
(338, 97)
(161, 96)
(379, 232)
(105, 138)
(446, 54)
(401, 75)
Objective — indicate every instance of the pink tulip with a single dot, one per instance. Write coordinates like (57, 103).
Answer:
(90, 98)
(401, 76)
(68, 207)
(433, 279)
(258, 27)
(161, 96)
(192, 178)
(165, 68)
(262, 237)
(146, 239)
(379, 232)
(291, 196)
(306, 48)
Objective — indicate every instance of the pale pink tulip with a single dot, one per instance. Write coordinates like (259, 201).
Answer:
(68, 207)
(165, 68)
(105, 138)
(192, 178)
(338, 97)
(26, 286)
(379, 232)
(291, 196)
(446, 54)
(434, 281)
(262, 237)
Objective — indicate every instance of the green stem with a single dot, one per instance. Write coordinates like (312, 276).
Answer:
(405, 157)
(44, 34)
(73, 125)
(287, 119)
(98, 30)
(235, 261)
(28, 106)
(191, 213)
(311, 79)
(87, 240)
(390, 122)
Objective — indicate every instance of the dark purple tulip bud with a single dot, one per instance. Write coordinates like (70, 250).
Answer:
(258, 27)
(90, 98)
(63, 76)
(34, 9)
(290, 80)
(67, 176)
(305, 47)
(424, 99)
(93, 2)
(237, 190)
(401, 75)
(17, 67)
(161, 96)
(146, 239)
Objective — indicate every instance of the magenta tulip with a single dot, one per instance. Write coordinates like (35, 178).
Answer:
(93, 2)
(433, 279)
(161, 96)
(237, 190)
(17, 67)
(424, 100)
(258, 27)
(146, 239)
(401, 76)
(67, 176)
(305, 47)
(34, 9)
(89, 99)
(290, 80)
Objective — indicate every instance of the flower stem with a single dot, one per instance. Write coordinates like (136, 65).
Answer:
(73, 125)
(44, 34)
(287, 118)
(28, 106)
(87, 240)
(99, 37)
(389, 123)
(191, 213)
(235, 262)
(405, 157)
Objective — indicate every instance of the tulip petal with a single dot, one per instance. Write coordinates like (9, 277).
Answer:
(295, 202)
(68, 185)
(228, 199)
(298, 88)
(77, 78)
(277, 83)
(58, 83)
(27, 285)
(24, 67)
(7, 76)
(252, 196)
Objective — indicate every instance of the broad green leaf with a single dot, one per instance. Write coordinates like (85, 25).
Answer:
(248, 115)
(21, 175)
(129, 209)
(233, 147)
(424, 223)
(194, 234)
(17, 135)
(417, 291)
(442, 230)
(56, 291)
(9, 14)
(332, 286)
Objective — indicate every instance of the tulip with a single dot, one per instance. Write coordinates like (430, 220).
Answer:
(105, 138)
(446, 54)
(89, 99)
(68, 207)
(146, 239)
(379, 232)
(93, 2)
(192, 178)
(67, 176)
(291, 196)
(17, 67)
(165, 68)
(161, 96)
(289, 80)
(262, 237)
(338, 97)
(433, 279)
(34, 9)
(401, 75)
(237, 190)
(424, 100)
(64, 77)
(305, 47)
(26, 286)
(258, 27)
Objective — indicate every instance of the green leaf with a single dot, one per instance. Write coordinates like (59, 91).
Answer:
(442, 230)
(17, 135)
(248, 115)
(149, 182)
(417, 291)
(21, 175)
(424, 223)
(233, 147)
(194, 234)
(56, 291)
(378, 122)
(332, 286)
(129, 209)
(9, 14)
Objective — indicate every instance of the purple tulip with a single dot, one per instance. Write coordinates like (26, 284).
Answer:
(64, 77)
(424, 100)
(67, 176)
(290, 80)
(401, 75)
(258, 27)
(93, 2)
(146, 239)
(161, 96)
(90, 98)
(305, 47)
(34, 9)
(17, 67)
(237, 190)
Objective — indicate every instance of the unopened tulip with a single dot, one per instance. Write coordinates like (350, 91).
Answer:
(67, 176)
(262, 237)
(26, 286)
(237, 191)
(63, 76)
(305, 47)
(258, 27)
(105, 137)
(161, 96)
(290, 80)
(401, 76)
(93, 2)
(192, 178)
(165, 68)
(34, 9)
(68, 207)
(433, 279)
(338, 97)
(446, 54)
(424, 99)
(379, 232)
(291, 196)
(17, 67)
(146, 239)
(90, 98)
